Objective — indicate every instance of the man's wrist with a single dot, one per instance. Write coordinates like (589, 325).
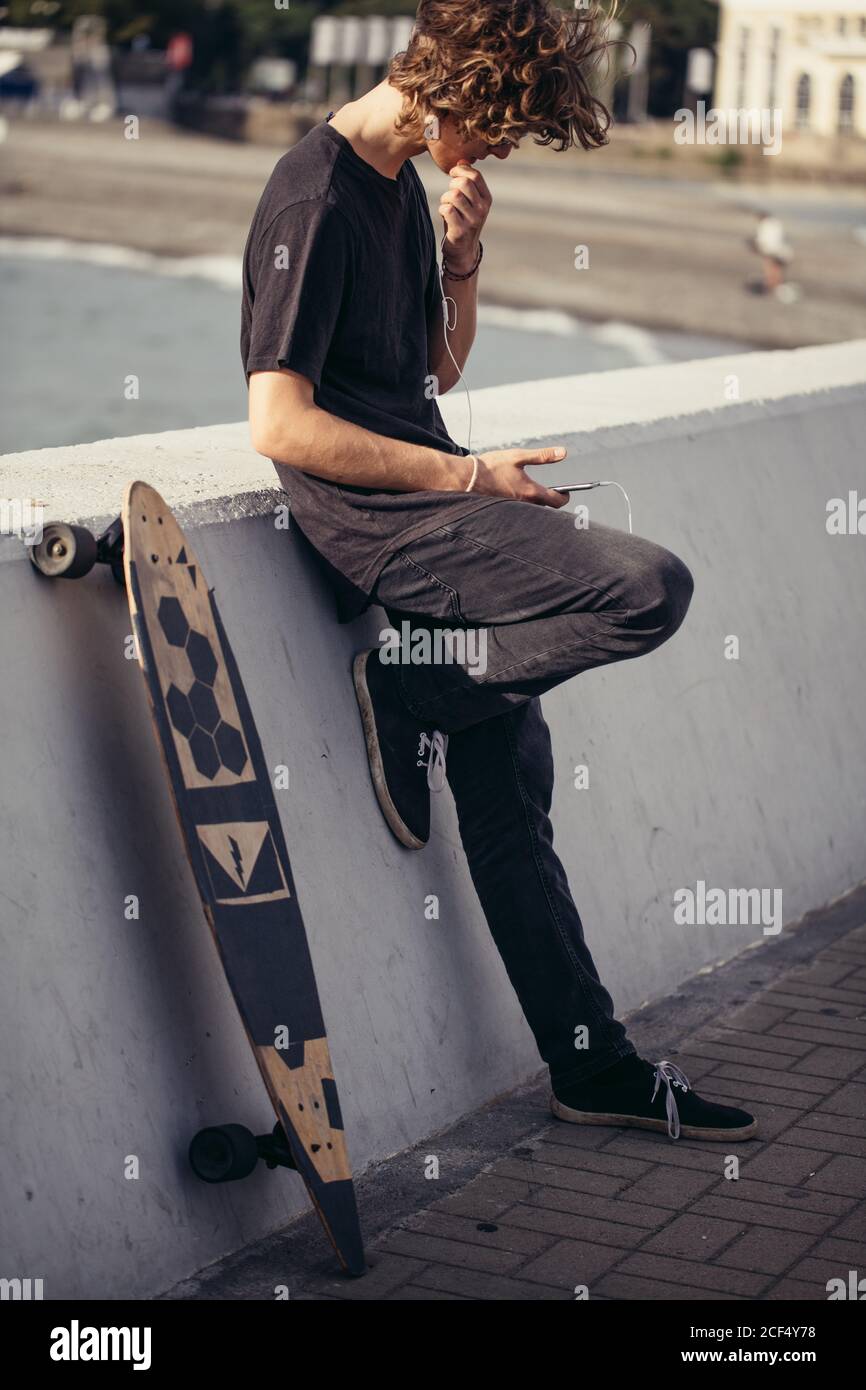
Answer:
(455, 472)
(462, 267)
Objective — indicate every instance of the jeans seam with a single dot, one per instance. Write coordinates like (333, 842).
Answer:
(520, 560)
(506, 670)
(536, 656)
(576, 966)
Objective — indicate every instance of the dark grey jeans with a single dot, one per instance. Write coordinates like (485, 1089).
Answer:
(553, 601)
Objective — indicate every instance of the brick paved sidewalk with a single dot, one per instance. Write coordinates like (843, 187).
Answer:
(633, 1215)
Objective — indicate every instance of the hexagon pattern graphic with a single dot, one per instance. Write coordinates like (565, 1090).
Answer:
(195, 712)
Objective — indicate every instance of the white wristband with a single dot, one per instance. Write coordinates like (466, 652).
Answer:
(474, 472)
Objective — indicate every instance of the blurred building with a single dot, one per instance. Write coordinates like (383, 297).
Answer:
(805, 57)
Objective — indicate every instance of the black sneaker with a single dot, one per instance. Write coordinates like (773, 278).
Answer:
(640, 1095)
(407, 762)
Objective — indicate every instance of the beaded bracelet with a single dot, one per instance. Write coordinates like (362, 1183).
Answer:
(450, 275)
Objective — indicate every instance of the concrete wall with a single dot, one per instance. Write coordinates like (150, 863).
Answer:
(119, 1037)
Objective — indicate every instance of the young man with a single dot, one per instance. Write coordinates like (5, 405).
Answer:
(342, 338)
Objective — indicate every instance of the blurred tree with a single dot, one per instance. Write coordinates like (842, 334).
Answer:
(363, 7)
(228, 34)
(677, 25)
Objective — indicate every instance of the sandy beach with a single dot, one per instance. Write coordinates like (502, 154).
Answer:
(664, 253)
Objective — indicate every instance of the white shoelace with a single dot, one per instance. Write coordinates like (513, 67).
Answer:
(438, 746)
(672, 1076)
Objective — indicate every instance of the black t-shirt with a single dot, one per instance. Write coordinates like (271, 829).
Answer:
(340, 283)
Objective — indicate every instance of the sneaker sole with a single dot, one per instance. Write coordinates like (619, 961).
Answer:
(396, 824)
(598, 1117)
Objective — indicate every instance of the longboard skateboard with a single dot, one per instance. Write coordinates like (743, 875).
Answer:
(233, 838)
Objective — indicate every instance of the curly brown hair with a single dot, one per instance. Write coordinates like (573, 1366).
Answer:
(503, 69)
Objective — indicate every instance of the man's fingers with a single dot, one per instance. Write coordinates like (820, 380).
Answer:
(545, 498)
(502, 474)
(554, 454)
(458, 201)
(473, 180)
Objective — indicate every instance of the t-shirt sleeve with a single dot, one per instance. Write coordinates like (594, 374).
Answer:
(300, 275)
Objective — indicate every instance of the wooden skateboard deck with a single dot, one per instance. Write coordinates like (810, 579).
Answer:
(227, 812)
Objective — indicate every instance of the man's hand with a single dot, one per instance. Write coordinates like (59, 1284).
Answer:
(500, 474)
(464, 206)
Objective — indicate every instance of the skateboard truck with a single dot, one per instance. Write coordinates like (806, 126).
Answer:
(225, 1153)
(70, 552)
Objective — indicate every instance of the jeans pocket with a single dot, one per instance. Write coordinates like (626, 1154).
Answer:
(410, 587)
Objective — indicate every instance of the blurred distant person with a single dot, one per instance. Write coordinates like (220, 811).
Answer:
(92, 82)
(776, 255)
(344, 347)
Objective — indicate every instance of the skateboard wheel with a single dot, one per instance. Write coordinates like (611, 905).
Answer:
(224, 1153)
(64, 552)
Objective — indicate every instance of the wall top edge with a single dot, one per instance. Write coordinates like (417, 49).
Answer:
(214, 469)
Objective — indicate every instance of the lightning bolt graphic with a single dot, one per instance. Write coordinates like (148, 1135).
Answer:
(238, 858)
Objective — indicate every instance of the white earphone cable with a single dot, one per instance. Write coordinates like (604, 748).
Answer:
(449, 328)
(612, 483)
